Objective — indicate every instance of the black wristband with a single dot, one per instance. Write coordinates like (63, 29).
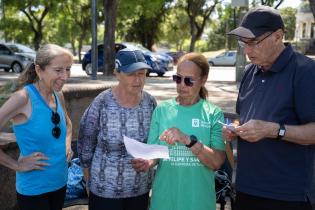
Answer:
(193, 141)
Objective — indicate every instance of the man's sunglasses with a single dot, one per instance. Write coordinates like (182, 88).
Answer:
(188, 81)
(56, 131)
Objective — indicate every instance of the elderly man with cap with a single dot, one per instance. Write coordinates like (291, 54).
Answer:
(276, 104)
(124, 110)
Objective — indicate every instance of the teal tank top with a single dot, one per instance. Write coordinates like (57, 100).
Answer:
(35, 135)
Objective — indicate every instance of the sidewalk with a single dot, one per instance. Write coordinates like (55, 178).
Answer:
(221, 84)
(221, 93)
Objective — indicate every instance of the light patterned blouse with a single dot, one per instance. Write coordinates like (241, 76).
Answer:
(101, 147)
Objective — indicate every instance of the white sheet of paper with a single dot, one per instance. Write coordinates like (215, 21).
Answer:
(145, 151)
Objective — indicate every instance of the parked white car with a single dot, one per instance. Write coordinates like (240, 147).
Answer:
(227, 58)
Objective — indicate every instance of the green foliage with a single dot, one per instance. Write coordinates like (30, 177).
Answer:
(175, 28)
(198, 12)
(216, 41)
(20, 35)
(201, 46)
(33, 12)
(140, 20)
(73, 24)
(288, 16)
(12, 17)
(271, 3)
(225, 22)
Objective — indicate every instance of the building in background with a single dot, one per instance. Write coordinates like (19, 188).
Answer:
(305, 29)
(305, 24)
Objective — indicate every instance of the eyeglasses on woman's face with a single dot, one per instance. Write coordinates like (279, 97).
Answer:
(188, 81)
(253, 43)
(55, 119)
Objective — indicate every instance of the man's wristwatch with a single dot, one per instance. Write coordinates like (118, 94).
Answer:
(193, 141)
(281, 131)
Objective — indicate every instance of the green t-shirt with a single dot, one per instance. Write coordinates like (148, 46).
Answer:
(183, 182)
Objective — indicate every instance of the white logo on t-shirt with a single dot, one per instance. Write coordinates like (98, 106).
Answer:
(195, 122)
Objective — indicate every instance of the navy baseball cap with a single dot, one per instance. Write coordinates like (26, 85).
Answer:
(128, 61)
(258, 21)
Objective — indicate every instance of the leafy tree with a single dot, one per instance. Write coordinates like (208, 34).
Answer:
(79, 12)
(11, 21)
(288, 16)
(275, 3)
(199, 12)
(140, 20)
(35, 12)
(175, 28)
(271, 3)
(73, 24)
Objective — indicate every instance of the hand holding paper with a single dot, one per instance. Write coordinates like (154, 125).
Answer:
(145, 151)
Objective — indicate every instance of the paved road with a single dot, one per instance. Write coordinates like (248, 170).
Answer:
(221, 84)
(217, 73)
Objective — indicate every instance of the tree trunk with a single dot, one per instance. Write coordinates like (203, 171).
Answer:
(38, 38)
(192, 33)
(80, 49)
(36, 23)
(192, 43)
(197, 27)
(74, 51)
(110, 10)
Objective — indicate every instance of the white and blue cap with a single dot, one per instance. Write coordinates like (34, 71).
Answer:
(128, 61)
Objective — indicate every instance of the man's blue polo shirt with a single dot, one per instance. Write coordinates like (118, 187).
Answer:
(274, 168)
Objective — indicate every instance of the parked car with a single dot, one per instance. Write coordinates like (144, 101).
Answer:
(176, 55)
(15, 56)
(87, 60)
(164, 61)
(227, 58)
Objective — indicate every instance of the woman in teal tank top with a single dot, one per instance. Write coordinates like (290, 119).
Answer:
(42, 129)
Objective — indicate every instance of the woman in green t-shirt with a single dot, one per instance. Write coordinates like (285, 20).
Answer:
(188, 125)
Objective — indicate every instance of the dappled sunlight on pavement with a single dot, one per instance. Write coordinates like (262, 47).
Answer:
(221, 85)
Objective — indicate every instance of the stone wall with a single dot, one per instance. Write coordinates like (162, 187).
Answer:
(77, 100)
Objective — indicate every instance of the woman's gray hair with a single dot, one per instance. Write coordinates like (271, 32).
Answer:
(44, 56)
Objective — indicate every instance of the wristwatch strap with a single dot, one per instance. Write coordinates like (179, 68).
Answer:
(193, 141)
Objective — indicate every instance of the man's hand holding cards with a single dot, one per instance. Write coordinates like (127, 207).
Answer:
(230, 126)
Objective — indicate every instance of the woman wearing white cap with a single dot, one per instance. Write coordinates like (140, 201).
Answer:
(124, 110)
